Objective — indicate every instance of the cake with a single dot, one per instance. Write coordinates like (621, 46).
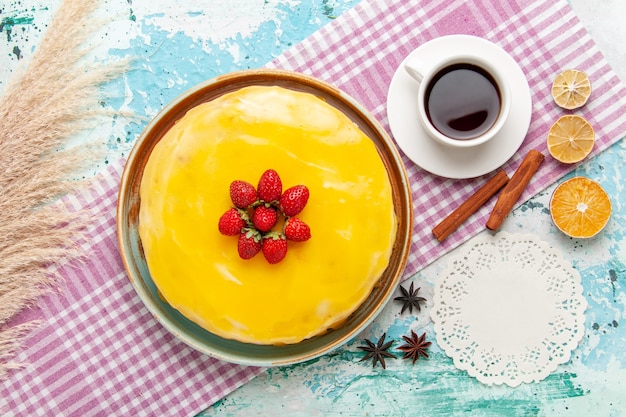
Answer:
(350, 212)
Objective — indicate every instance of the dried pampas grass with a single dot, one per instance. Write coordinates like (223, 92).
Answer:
(42, 110)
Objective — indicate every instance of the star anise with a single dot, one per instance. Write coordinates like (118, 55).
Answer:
(410, 299)
(377, 351)
(415, 346)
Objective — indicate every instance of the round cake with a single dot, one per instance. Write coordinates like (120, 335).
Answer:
(350, 211)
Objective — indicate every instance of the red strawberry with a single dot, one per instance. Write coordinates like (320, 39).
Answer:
(274, 247)
(249, 243)
(270, 186)
(293, 200)
(297, 230)
(231, 222)
(264, 218)
(242, 193)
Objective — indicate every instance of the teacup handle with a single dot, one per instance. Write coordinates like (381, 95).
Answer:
(417, 68)
(414, 71)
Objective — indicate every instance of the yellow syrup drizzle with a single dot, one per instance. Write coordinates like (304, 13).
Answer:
(184, 191)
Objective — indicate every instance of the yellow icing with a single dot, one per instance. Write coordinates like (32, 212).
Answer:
(184, 191)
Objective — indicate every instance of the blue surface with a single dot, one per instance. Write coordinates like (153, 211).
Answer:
(167, 60)
(170, 63)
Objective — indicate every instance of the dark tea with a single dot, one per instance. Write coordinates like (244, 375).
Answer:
(462, 101)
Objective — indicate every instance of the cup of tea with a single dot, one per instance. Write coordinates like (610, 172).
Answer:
(463, 100)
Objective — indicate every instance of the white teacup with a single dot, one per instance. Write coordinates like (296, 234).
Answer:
(463, 100)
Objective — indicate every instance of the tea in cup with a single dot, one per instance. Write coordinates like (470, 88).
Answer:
(463, 100)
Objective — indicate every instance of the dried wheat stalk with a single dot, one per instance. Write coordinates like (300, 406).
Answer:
(51, 101)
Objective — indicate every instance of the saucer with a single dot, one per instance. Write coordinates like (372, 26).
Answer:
(446, 161)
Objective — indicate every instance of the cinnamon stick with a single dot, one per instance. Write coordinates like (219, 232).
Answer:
(470, 206)
(513, 190)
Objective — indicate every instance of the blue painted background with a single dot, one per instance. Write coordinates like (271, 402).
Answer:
(167, 62)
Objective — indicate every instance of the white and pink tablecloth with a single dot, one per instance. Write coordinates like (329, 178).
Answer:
(98, 351)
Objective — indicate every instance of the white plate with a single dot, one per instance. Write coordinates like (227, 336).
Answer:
(443, 160)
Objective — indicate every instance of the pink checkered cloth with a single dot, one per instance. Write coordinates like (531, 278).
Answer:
(100, 352)
(360, 53)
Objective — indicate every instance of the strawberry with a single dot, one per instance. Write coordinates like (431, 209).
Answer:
(264, 218)
(296, 230)
(274, 247)
(232, 221)
(293, 200)
(249, 243)
(270, 186)
(242, 193)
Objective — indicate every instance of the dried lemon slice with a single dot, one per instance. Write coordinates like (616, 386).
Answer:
(571, 89)
(580, 207)
(570, 139)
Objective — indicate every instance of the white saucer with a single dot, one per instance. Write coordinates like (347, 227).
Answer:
(443, 160)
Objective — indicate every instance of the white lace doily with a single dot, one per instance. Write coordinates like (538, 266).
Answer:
(509, 309)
